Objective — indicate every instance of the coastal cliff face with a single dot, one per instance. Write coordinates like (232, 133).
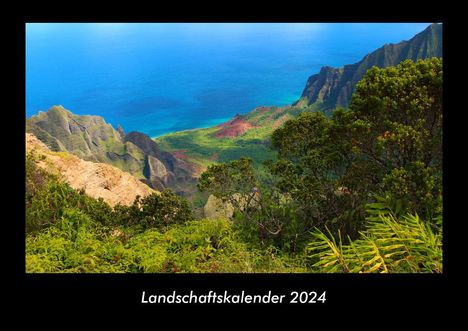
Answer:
(98, 180)
(92, 139)
(333, 87)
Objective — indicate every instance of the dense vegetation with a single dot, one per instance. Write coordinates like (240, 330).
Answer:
(68, 231)
(359, 191)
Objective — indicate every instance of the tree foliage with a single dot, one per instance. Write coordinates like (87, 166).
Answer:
(157, 210)
(261, 211)
(388, 143)
(230, 180)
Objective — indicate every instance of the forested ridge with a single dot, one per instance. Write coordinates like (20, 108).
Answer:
(359, 190)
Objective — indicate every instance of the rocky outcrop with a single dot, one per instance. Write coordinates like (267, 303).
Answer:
(333, 87)
(320, 87)
(156, 173)
(215, 208)
(156, 167)
(98, 180)
(121, 131)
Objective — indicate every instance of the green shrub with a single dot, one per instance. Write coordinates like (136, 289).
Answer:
(191, 248)
(203, 246)
(417, 187)
(155, 211)
(74, 244)
(36, 177)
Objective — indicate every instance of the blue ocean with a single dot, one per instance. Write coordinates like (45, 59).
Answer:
(160, 78)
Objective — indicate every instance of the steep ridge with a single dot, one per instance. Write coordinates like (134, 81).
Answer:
(98, 180)
(92, 139)
(333, 87)
(88, 137)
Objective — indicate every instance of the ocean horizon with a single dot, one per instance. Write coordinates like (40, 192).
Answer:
(159, 78)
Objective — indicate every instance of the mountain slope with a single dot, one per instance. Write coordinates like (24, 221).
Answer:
(333, 87)
(88, 137)
(98, 180)
(92, 139)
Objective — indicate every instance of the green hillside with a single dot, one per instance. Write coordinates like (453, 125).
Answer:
(204, 147)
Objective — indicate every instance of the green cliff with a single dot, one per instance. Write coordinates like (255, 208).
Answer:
(333, 87)
(92, 139)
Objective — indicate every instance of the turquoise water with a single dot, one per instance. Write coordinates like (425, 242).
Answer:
(161, 78)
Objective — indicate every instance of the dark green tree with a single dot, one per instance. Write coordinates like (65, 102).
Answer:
(157, 210)
(313, 158)
(389, 143)
(233, 182)
(396, 125)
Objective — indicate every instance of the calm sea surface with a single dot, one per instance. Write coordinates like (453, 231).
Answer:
(161, 78)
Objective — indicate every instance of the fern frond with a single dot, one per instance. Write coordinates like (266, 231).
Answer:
(406, 244)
